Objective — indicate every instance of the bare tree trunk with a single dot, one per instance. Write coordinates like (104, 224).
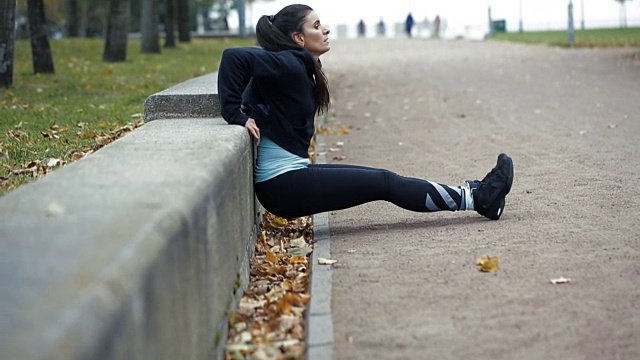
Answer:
(184, 33)
(149, 26)
(115, 48)
(170, 16)
(95, 17)
(73, 19)
(40, 49)
(7, 33)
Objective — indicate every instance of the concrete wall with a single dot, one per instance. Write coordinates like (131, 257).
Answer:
(137, 251)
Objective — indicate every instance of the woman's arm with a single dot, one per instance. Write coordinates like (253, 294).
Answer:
(234, 74)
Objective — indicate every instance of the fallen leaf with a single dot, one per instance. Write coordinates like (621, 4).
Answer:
(300, 251)
(339, 158)
(271, 257)
(52, 162)
(488, 263)
(250, 303)
(344, 130)
(323, 261)
(298, 242)
(297, 260)
(278, 222)
(560, 280)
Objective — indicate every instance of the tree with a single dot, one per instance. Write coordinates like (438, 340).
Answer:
(623, 13)
(240, 5)
(40, 49)
(170, 20)
(115, 48)
(184, 33)
(73, 19)
(149, 26)
(96, 16)
(7, 31)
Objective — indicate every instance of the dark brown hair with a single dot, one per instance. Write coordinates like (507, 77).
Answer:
(275, 33)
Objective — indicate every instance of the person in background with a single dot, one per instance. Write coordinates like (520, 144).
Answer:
(436, 27)
(276, 90)
(362, 28)
(408, 25)
(381, 28)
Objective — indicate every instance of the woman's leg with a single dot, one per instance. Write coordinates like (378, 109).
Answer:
(328, 187)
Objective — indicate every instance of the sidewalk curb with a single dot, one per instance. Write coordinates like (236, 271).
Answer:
(319, 318)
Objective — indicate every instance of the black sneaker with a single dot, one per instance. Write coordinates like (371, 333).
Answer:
(488, 194)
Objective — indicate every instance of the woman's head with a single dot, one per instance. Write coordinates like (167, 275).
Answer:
(293, 27)
(297, 27)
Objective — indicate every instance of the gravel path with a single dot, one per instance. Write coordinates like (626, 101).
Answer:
(406, 285)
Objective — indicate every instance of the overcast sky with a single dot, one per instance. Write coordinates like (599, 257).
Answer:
(461, 14)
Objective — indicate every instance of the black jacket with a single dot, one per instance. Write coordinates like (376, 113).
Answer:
(276, 89)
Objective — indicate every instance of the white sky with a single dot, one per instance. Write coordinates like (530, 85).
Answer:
(461, 14)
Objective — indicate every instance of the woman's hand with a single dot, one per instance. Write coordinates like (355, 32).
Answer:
(253, 129)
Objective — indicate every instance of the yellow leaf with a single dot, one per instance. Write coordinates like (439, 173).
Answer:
(344, 130)
(488, 263)
(278, 222)
(298, 259)
(271, 257)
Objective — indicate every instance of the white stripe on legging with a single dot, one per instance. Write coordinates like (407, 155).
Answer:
(431, 206)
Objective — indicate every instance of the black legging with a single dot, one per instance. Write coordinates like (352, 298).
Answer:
(327, 187)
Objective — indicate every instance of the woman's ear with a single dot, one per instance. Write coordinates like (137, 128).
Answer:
(298, 38)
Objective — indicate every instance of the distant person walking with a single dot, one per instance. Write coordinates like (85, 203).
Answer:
(436, 27)
(408, 25)
(362, 29)
(381, 28)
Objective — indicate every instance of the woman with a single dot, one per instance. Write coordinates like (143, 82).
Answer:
(276, 90)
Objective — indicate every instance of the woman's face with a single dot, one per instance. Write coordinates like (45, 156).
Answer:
(314, 36)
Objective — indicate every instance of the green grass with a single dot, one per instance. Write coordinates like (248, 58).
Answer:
(584, 38)
(73, 111)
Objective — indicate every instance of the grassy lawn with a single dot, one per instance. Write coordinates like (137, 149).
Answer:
(47, 121)
(584, 38)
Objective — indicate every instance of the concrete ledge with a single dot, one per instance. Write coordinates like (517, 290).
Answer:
(134, 252)
(196, 98)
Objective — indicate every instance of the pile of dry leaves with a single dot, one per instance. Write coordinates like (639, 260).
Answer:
(39, 168)
(269, 322)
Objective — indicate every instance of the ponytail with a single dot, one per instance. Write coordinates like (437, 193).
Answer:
(274, 33)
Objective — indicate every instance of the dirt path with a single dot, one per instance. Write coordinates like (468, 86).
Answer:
(406, 285)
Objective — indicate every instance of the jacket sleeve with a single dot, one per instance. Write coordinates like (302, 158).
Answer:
(237, 67)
